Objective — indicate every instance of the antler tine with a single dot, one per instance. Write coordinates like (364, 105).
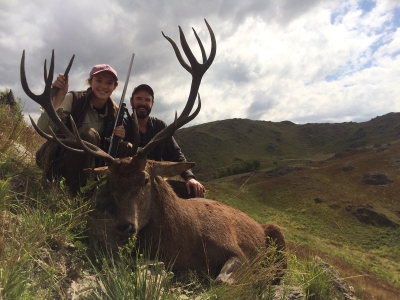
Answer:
(213, 46)
(63, 144)
(45, 70)
(88, 147)
(203, 52)
(159, 137)
(178, 53)
(167, 132)
(45, 98)
(198, 69)
(183, 121)
(189, 54)
(24, 82)
(38, 130)
(53, 137)
(54, 90)
(136, 141)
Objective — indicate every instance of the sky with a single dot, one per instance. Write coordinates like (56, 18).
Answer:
(310, 61)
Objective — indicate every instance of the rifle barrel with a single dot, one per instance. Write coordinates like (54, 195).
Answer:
(121, 110)
(127, 80)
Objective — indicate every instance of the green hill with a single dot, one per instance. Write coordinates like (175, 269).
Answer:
(218, 145)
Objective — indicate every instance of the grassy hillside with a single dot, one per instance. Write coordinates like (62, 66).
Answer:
(316, 203)
(221, 144)
(318, 198)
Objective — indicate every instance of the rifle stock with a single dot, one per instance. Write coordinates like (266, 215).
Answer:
(114, 141)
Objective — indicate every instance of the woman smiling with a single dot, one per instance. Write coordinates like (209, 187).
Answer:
(92, 110)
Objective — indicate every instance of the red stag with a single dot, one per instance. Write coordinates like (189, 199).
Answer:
(199, 234)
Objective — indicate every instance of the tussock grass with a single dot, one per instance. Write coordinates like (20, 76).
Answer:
(38, 245)
(40, 230)
(256, 278)
(316, 281)
(129, 275)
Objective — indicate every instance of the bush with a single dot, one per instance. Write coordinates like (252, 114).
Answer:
(244, 167)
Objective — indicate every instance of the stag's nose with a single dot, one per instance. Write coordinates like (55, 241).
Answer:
(126, 229)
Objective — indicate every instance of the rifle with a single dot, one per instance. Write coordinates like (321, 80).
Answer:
(113, 140)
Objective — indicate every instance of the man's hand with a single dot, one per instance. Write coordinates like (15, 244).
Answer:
(197, 187)
(62, 84)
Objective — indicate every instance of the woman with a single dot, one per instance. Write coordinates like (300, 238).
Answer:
(92, 111)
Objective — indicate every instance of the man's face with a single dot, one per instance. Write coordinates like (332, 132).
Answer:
(142, 101)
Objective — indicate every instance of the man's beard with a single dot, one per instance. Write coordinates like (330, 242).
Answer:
(141, 114)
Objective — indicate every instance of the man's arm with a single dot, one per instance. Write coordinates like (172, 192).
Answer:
(172, 152)
(172, 147)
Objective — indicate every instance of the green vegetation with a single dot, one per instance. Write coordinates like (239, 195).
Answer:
(45, 251)
(316, 206)
(127, 278)
(242, 167)
(218, 145)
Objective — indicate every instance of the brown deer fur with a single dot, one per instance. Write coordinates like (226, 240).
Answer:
(197, 234)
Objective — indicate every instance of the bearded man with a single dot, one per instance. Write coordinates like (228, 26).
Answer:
(142, 101)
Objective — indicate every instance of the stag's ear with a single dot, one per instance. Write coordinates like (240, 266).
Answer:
(169, 169)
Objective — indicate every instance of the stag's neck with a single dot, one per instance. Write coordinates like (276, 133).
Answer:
(166, 206)
(166, 220)
(166, 199)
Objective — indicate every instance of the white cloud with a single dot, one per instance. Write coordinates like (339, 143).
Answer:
(303, 61)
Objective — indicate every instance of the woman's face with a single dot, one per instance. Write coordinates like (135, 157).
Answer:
(103, 84)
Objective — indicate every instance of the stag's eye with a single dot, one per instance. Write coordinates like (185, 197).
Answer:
(146, 179)
(143, 179)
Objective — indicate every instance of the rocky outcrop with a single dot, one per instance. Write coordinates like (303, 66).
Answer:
(340, 286)
(376, 179)
(288, 293)
(366, 214)
(346, 168)
(281, 171)
(349, 152)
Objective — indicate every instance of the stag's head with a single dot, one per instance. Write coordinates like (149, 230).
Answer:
(138, 188)
(133, 180)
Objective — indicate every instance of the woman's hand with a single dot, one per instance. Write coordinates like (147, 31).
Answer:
(62, 84)
(119, 131)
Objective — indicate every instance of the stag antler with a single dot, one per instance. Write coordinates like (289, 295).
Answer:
(45, 101)
(197, 70)
(45, 98)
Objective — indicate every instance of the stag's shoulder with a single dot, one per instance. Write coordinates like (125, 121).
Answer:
(211, 205)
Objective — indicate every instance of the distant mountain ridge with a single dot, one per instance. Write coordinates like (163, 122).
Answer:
(220, 144)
